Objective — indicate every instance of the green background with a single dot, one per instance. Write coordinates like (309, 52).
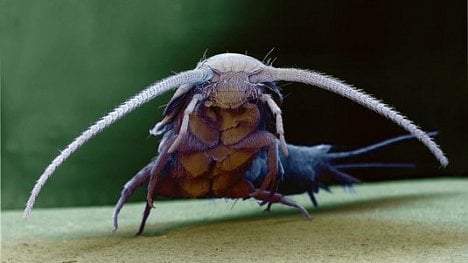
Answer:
(64, 64)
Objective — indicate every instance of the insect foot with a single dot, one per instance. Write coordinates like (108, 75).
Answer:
(270, 198)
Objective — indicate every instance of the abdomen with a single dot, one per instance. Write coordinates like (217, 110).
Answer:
(209, 163)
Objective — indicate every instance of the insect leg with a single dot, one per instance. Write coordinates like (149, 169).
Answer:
(158, 166)
(143, 220)
(312, 198)
(271, 181)
(279, 120)
(262, 139)
(185, 122)
(269, 197)
(139, 179)
(154, 173)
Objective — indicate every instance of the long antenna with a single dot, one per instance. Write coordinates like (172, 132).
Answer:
(191, 76)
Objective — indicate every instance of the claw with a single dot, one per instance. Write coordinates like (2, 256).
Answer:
(145, 217)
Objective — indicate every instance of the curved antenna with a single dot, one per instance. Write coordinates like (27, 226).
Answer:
(358, 96)
(186, 77)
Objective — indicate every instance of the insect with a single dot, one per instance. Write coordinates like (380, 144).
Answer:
(223, 137)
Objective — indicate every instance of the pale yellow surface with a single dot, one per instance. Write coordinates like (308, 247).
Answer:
(405, 221)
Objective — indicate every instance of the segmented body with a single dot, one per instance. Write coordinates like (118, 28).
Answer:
(221, 134)
(218, 148)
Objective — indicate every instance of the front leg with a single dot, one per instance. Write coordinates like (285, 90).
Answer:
(138, 180)
(155, 172)
(279, 120)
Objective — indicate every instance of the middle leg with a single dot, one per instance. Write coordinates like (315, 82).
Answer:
(259, 140)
